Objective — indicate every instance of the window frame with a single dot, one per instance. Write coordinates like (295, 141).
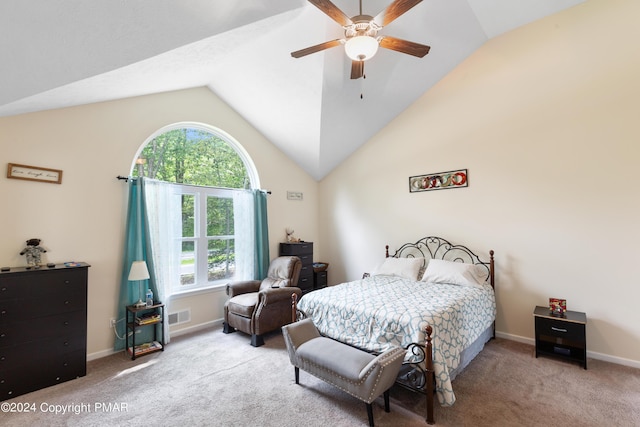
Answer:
(201, 236)
(200, 285)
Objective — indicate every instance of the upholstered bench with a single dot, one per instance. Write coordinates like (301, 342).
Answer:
(361, 374)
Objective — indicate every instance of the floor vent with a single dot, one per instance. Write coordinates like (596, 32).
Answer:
(183, 316)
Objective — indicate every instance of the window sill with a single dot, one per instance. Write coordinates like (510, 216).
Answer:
(198, 291)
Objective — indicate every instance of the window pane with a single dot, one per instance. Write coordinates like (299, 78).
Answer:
(219, 216)
(188, 215)
(188, 264)
(221, 259)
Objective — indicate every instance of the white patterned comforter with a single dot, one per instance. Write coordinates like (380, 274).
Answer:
(381, 311)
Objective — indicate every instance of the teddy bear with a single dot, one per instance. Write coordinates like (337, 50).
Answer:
(33, 251)
(290, 237)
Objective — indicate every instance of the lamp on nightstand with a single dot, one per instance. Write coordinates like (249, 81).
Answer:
(139, 272)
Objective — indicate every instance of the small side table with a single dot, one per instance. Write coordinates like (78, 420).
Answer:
(561, 336)
(319, 279)
(140, 317)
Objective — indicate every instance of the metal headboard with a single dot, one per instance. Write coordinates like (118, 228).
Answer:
(433, 247)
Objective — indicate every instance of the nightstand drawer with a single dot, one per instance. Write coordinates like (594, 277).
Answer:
(560, 329)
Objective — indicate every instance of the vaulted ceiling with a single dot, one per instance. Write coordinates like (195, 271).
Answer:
(59, 53)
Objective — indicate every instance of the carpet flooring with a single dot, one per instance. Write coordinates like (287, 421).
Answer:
(214, 379)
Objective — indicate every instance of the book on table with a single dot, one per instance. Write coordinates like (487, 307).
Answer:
(146, 348)
(148, 318)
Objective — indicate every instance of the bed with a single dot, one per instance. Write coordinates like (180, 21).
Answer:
(434, 298)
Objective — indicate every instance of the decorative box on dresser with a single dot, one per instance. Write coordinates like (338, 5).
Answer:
(43, 327)
(304, 251)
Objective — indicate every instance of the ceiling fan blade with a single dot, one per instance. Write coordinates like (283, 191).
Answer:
(332, 11)
(316, 48)
(404, 46)
(357, 69)
(393, 11)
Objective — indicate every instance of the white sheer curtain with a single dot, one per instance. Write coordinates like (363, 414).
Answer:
(245, 231)
(163, 212)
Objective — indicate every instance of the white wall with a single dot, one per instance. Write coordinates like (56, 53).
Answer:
(83, 218)
(545, 118)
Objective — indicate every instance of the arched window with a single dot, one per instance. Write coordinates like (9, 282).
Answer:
(207, 168)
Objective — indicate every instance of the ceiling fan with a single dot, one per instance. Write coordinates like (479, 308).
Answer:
(361, 39)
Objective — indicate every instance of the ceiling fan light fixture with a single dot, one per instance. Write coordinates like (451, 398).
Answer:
(361, 48)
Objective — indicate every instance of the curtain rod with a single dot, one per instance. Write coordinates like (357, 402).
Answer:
(127, 178)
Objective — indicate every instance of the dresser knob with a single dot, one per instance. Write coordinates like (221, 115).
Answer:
(66, 344)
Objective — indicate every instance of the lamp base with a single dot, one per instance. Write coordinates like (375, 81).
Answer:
(140, 304)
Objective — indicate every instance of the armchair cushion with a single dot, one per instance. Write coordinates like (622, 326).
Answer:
(243, 304)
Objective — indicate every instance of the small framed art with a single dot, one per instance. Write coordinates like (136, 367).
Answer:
(439, 181)
(558, 306)
(34, 173)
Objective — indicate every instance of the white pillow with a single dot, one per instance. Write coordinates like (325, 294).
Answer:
(455, 273)
(401, 267)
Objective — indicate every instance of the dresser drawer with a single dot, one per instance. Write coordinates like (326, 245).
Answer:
(42, 283)
(560, 329)
(33, 308)
(22, 331)
(37, 373)
(305, 248)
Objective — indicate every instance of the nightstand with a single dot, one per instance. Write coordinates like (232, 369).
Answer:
(561, 336)
(139, 317)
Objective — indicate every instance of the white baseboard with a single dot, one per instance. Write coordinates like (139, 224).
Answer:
(183, 331)
(591, 354)
(196, 328)
(511, 337)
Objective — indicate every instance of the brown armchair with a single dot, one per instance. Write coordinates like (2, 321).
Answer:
(256, 307)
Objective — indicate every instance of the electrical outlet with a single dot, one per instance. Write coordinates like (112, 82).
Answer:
(112, 323)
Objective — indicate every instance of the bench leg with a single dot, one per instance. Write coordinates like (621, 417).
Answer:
(370, 414)
(297, 371)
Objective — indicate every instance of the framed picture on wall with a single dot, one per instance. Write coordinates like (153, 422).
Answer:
(439, 181)
(34, 173)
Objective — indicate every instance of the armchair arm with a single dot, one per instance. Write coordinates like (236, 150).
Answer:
(271, 295)
(243, 287)
(381, 373)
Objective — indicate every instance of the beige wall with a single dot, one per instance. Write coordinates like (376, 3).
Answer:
(545, 119)
(83, 219)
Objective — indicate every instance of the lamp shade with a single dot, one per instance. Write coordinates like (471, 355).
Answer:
(139, 271)
(361, 48)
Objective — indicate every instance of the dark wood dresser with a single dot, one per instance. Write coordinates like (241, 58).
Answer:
(304, 251)
(43, 327)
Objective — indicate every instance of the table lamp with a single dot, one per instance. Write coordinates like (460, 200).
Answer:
(139, 272)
